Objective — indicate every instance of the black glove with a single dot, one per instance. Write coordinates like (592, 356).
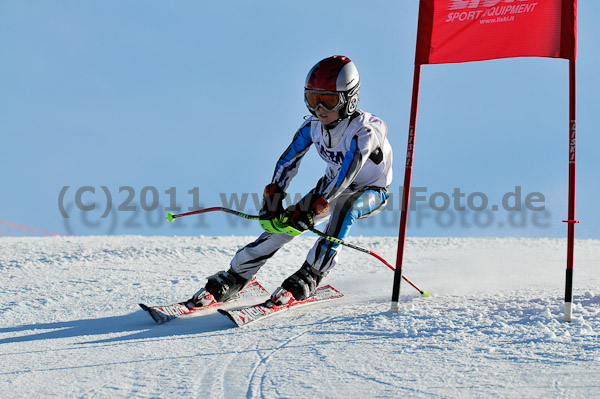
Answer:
(272, 205)
(301, 216)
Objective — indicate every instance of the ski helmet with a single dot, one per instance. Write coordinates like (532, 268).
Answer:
(333, 84)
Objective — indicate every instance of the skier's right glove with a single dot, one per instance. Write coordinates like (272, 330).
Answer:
(301, 216)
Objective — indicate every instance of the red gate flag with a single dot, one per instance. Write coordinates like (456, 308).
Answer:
(476, 30)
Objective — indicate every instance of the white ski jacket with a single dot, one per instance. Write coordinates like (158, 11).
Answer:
(357, 152)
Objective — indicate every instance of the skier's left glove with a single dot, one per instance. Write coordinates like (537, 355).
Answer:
(301, 216)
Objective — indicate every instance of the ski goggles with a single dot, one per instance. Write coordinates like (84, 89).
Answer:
(329, 100)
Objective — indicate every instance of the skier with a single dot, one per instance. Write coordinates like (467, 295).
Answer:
(354, 145)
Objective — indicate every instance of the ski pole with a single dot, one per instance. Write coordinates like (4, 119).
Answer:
(171, 217)
(367, 251)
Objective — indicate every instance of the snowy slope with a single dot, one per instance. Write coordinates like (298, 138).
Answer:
(71, 327)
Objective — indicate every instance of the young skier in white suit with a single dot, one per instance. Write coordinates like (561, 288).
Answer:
(354, 145)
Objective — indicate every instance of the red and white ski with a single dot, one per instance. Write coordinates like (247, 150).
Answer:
(162, 314)
(247, 314)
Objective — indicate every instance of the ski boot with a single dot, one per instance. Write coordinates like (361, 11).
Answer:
(303, 283)
(225, 284)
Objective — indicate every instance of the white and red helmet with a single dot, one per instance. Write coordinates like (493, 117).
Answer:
(333, 84)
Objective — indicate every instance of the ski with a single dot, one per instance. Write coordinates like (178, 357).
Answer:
(162, 314)
(248, 314)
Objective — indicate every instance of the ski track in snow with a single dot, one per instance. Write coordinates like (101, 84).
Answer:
(71, 327)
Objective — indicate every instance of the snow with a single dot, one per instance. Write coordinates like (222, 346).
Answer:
(71, 327)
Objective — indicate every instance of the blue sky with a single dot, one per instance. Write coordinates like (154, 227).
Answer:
(194, 102)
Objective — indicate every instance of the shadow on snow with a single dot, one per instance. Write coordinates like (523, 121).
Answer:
(133, 326)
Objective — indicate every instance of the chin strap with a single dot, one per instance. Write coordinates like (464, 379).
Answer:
(338, 120)
(333, 124)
